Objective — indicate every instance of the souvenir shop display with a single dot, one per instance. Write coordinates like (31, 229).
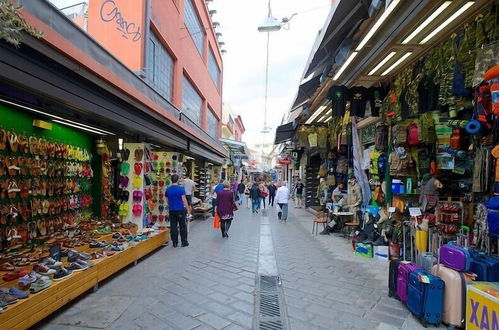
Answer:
(203, 179)
(429, 145)
(51, 229)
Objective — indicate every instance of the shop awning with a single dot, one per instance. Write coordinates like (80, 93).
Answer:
(285, 133)
(344, 17)
(306, 90)
(237, 149)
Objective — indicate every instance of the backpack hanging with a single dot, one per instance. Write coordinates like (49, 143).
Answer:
(413, 138)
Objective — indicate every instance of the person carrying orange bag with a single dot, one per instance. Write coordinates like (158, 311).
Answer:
(216, 221)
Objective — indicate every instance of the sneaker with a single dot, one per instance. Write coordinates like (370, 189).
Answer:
(186, 244)
(62, 273)
(73, 256)
(26, 280)
(76, 267)
(19, 294)
(43, 269)
(40, 285)
(97, 255)
(96, 245)
(8, 298)
(175, 245)
(51, 263)
(85, 263)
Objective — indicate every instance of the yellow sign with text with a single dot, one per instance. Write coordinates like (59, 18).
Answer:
(482, 306)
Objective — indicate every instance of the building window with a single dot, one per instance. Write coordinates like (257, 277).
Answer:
(192, 103)
(159, 67)
(212, 125)
(194, 25)
(213, 68)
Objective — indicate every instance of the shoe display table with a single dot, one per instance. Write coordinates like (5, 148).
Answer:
(37, 306)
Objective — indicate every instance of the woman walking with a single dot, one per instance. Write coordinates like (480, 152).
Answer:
(263, 194)
(225, 208)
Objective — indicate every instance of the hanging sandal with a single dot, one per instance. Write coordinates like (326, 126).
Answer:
(13, 142)
(23, 143)
(139, 154)
(3, 139)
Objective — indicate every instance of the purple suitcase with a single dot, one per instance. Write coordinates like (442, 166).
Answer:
(403, 279)
(455, 257)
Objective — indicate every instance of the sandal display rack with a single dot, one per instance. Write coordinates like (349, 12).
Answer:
(45, 190)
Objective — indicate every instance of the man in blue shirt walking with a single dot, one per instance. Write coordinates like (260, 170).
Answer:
(177, 207)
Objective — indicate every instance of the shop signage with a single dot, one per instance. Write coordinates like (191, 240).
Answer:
(242, 157)
(482, 308)
(285, 161)
(118, 25)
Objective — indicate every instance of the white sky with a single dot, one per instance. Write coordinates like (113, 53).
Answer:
(244, 63)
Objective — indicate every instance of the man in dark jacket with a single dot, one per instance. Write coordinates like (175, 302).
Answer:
(255, 197)
(272, 189)
(241, 188)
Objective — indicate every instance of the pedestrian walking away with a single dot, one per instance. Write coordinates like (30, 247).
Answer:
(282, 199)
(255, 198)
(241, 188)
(271, 189)
(216, 188)
(190, 188)
(225, 208)
(263, 193)
(177, 207)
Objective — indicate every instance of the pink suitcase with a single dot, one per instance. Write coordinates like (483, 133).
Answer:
(454, 296)
(403, 279)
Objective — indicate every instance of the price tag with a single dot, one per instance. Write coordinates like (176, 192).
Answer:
(392, 209)
(415, 211)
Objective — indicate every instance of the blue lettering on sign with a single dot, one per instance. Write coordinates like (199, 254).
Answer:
(484, 321)
(474, 311)
(110, 12)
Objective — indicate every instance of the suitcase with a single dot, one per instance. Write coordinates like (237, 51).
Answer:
(454, 312)
(486, 268)
(393, 271)
(426, 300)
(426, 260)
(455, 257)
(405, 268)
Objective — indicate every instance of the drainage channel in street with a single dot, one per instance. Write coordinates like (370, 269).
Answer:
(270, 311)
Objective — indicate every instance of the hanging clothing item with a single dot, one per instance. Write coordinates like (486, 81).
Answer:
(322, 136)
(427, 93)
(359, 97)
(339, 95)
(429, 194)
(399, 163)
(302, 134)
(376, 96)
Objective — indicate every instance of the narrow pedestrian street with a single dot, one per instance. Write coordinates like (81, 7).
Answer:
(212, 283)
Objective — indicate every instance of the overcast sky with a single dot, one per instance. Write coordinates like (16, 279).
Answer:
(244, 63)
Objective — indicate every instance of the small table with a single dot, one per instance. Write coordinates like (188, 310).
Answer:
(349, 225)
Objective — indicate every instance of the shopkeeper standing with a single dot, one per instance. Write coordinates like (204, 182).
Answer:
(177, 207)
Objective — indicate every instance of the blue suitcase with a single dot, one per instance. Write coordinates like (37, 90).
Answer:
(486, 268)
(426, 300)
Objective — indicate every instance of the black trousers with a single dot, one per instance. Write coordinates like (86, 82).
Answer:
(177, 219)
(271, 200)
(225, 225)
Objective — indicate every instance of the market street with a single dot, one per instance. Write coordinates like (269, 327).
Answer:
(211, 284)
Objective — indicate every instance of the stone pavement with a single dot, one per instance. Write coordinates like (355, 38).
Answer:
(211, 284)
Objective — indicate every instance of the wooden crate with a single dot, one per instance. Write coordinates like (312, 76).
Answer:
(36, 307)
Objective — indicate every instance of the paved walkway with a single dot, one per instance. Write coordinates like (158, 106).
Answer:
(211, 284)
